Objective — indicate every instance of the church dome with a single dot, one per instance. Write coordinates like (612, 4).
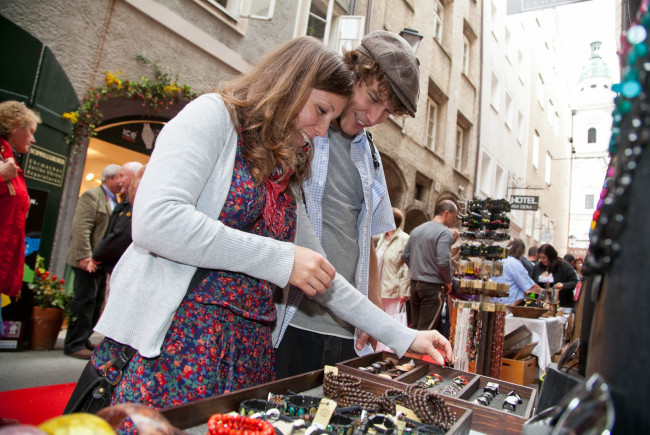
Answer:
(595, 66)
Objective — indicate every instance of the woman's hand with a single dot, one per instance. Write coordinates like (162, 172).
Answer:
(428, 342)
(312, 273)
(559, 286)
(8, 169)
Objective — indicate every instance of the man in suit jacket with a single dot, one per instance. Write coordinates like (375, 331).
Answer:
(89, 225)
(118, 236)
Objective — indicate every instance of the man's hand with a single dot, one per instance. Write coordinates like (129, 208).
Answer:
(8, 169)
(311, 273)
(447, 288)
(428, 342)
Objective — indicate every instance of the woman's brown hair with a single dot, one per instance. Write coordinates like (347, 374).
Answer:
(267, 100)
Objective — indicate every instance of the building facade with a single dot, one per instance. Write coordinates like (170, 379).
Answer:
(433, 156)
(525, 129)
(593, 103)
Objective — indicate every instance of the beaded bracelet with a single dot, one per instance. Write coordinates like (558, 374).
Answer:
(302, 406)
(253, 406)
(233, 424)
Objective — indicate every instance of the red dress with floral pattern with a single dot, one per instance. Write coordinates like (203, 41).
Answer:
(220, 338)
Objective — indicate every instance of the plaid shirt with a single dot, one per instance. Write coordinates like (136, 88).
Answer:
(375, 195)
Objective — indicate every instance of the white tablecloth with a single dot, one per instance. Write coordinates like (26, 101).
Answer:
(548, 332)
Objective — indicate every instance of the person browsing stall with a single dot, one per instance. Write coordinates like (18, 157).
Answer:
(347, 202)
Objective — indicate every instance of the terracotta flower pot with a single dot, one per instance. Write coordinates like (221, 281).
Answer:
(46, 324)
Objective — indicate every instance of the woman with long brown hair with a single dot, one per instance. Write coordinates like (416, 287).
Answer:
(215, 196)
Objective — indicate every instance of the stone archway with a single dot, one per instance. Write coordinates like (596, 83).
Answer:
(395, 182)
(115, 111)
(413, 218)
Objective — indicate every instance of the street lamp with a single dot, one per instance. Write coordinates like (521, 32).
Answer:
(412, 37)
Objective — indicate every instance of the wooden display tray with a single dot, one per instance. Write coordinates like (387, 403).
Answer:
(196, 413)
(484, 419)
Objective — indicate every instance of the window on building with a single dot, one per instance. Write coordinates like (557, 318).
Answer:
(521, 67)
(556, 124)
(530, 218)
(465, 55)
(231, 7)
(259, 9)
(521, 132)
(540, 91)
(460, 154)
(509, 110)
(535, 151)
(500, 182)
(589, 202)
(432, 123)
(591, 135)
(550, 112)
(547, 169)
(486, 174)
(438, 17)
(349, 31)
(494, 18)
(317, 21)
(508, 41)
(495, 92)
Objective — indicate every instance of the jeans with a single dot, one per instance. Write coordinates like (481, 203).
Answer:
(426, 305)
(302, 351)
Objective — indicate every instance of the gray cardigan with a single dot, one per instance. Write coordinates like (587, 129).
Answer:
(175, 230)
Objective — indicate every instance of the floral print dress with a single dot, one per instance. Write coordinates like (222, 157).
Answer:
(220, 337)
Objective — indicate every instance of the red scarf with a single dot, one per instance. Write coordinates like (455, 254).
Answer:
(277, 198)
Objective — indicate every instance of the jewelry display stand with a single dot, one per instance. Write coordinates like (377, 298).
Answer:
(193, 417)
(488, 419)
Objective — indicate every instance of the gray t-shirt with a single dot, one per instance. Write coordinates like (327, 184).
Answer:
(427, 253)
(342, 204)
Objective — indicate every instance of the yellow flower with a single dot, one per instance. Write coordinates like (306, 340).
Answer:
(171, 88)
(112, 79)
(72, 116)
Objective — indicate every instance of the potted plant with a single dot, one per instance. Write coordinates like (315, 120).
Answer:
(51, 305)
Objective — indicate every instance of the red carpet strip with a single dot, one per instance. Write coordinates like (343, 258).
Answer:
(35, 405)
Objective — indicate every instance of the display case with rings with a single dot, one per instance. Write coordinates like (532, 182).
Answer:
(193, 417)
(494, 416)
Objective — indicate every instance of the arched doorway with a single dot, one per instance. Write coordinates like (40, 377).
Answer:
(395, 182)
(127, 132)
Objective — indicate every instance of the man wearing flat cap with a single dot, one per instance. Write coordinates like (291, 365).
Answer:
(347, 202)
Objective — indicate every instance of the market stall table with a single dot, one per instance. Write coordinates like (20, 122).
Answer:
(548, 332)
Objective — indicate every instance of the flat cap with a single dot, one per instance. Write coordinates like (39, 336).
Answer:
(396, 57)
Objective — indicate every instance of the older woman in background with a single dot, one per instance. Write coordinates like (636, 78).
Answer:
(17, 126)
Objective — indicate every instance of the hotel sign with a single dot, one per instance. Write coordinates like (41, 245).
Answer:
(522, 202)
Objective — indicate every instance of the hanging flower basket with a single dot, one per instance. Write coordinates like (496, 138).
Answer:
(156, 95)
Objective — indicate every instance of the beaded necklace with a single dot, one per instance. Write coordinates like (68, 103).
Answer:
(630, 136)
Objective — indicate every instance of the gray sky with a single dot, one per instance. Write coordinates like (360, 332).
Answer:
(583, 23)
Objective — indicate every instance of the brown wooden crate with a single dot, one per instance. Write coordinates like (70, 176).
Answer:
(520, 372)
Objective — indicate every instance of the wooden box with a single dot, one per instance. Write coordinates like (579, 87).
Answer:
(492, 420)
(519, 371)
(190, 415)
